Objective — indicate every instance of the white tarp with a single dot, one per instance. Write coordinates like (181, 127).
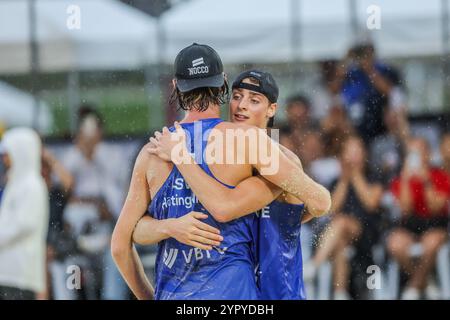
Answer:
(112, 36)
(261, 30)
(17, 109)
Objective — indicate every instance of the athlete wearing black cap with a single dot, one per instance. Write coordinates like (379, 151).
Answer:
(198, 66)
(277, 233)
(262, 82)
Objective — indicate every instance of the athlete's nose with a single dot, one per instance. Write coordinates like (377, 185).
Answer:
(242, 105)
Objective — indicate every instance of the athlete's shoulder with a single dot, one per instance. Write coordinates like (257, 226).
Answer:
(145, 158)
(155, 169)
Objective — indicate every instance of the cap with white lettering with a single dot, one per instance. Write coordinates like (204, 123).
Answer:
(198, 66)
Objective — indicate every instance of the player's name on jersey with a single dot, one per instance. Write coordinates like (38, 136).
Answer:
(264, 212)
(176, 200)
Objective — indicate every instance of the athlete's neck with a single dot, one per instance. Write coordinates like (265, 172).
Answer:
(213, 111)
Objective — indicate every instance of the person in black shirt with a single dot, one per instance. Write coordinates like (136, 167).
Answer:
(356, 198)
(59, 241)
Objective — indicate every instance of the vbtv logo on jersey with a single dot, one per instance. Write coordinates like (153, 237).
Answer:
(188, 256)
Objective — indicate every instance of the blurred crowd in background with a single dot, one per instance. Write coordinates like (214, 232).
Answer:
(389, 179)
(374, 129)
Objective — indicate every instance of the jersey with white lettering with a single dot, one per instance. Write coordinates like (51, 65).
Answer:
(185, 272)
(280, 270)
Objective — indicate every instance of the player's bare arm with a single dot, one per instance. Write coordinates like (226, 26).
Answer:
(223, 203)
(122, 248)
(188, 229)
(291, 178)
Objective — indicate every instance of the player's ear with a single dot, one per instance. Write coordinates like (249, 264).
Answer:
(174, 83)
(272, 110)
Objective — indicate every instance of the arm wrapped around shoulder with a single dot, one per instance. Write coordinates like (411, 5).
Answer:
(320, 209)
(315, 196)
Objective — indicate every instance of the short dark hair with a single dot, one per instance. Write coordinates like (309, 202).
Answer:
(86, 110)
(298, 99)
(199, 99)
(361, 50)
(328, 69)
(271, 122)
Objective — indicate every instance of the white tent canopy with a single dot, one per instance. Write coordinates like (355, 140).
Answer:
(112, 36)
(17, 109)
(261, 30)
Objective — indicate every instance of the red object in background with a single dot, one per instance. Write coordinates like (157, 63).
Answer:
(441, 182)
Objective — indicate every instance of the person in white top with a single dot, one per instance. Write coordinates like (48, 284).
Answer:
(23, 217)
(93, 206)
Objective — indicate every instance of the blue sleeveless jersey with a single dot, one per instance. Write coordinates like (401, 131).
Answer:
(185, 272)
(280, 270)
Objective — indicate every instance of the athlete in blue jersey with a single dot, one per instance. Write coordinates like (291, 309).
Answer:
(277, 234)
(279, 252)
(224, 270)
(185, 272)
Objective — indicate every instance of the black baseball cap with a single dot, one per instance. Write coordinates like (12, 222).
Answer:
(267, 85)
(198, 66)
